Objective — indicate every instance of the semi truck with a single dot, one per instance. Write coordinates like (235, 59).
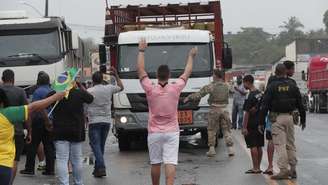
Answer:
(317, 83)
(31, 45)
(170, 30)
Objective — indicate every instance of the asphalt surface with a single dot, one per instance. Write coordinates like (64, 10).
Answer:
(132, 168)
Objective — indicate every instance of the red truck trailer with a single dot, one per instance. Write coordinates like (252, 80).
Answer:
(318, 84)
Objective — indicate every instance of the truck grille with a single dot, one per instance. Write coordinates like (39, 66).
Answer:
(139, 103)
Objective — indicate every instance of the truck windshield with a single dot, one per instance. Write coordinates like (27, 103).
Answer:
(173, 55)
(44, 43)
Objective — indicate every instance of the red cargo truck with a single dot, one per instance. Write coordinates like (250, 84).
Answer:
(170, 30)
(318, 84)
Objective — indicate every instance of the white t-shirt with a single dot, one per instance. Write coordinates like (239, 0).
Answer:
(99, 111)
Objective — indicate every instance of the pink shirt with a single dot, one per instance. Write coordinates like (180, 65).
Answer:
(163, 105)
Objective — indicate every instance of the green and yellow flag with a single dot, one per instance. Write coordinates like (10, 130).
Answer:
(65, 81)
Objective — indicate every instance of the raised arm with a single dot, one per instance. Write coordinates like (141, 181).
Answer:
(188, 69)
(118, 80)
(141, 59)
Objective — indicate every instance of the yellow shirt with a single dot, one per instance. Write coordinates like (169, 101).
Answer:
(9, 116)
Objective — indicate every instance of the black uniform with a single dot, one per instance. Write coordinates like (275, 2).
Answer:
(270, 80)
(254, 138)
(282, 96)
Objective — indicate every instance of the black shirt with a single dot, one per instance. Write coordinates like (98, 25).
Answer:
(16, 97)
(253, 100)
(68, 116)
(282, 96)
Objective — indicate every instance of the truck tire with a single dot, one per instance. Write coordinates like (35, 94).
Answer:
(311, 105)
(123, 141)
(322, 103)
(316, 104)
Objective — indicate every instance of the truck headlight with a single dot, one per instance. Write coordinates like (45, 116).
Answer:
(123, 119)
(201, 116)
(126, 119)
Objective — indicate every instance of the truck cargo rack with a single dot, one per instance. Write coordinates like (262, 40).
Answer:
(204, 15)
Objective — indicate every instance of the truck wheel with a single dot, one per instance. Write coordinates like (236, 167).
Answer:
(316, 104)
(123, 142)
(322, 103)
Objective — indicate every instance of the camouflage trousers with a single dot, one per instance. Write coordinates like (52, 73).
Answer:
(219, 118)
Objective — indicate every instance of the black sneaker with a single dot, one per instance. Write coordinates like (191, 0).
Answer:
(48, 173)
(26, 172)
(99, 173)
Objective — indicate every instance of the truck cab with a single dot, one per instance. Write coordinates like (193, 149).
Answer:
(169, 47)
(31, 45)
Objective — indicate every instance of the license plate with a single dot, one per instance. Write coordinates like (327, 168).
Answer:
(185, 117)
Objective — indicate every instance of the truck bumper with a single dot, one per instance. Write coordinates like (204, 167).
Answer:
(137, 122)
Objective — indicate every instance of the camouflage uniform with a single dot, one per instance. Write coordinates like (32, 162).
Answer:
(218, 117)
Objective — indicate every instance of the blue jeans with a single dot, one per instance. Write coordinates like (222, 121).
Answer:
(98, 133)
(5, 175)
(72, 151)
(237, 114)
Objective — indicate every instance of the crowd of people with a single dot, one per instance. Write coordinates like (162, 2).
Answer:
(58, 134)
(61, 132)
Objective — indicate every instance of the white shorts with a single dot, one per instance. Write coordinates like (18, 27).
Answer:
(163, 148)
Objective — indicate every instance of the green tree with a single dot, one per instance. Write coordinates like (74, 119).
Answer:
(253, 45)
(292, 25)
(291, 30)
(325, 20)
(317, 34)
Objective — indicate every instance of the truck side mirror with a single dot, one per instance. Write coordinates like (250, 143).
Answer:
(227, 57)
(102, 58)
(304, 77)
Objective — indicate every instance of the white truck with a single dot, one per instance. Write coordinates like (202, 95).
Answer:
(31, 45)
(165, 47)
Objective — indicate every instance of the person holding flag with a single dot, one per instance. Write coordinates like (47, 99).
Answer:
(69, 126)
(10, 115)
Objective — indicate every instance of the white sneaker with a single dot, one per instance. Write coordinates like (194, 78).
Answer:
(230, 151)
(211, 152)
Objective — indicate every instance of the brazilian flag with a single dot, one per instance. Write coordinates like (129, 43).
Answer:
(65, 80)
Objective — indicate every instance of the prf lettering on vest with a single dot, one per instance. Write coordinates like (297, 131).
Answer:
(283, 88)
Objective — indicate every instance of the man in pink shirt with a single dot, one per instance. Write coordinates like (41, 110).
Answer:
(163, 126)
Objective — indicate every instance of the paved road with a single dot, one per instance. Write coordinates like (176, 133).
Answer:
(132, 168)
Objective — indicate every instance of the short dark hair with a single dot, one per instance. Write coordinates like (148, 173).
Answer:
(97, 77)
(43, 79)
(248, 78)
(3, 98)
(280, 70)
(163, 72)
(289, 64)
(8, 75)
(218, 73)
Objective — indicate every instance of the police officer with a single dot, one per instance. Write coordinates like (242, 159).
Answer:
(281, 99)
(218, 117)
(290, 70)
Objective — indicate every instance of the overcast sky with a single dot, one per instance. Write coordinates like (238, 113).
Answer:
(268, 14)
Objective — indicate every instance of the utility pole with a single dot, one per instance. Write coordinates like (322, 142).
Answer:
(46, 9)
